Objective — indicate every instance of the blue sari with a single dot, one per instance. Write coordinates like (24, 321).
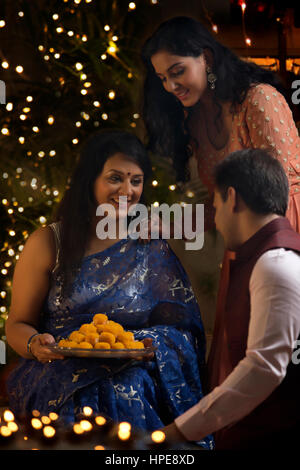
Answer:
(145, 288)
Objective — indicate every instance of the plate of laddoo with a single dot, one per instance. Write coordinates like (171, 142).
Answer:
(102, 338)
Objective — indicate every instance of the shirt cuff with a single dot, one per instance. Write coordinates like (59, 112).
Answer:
(190, 423)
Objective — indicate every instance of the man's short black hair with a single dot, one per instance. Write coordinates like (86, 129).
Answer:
(257, 177)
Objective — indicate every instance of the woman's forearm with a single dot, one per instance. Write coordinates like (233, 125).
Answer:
(17, 335)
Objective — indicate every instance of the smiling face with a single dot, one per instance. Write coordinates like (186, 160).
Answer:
(120, 176)
(185, 77)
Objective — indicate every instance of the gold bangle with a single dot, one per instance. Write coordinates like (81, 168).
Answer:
(29, 343)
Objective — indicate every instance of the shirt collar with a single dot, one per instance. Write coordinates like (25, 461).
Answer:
(247, 249)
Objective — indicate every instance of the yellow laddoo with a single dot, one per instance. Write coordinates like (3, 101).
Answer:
(85, 345)
(138, 345)
(71, 344)
(100, 318)
(125, 337)
(87, 328)
(109, 328)
(118, 345)
(102, 345)
(130, 344)
(92, 338)
(117, 329)
(107, 337)
(62, 343)
(101, 328)
(76, 336)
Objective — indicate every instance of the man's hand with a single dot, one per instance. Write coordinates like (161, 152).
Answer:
(173, 434)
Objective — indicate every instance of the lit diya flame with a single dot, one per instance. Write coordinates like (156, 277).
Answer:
(45, 420)
(86, 425)
(77, 428)
(124, 431)
(158, 437)
(5, 431)
(8, 416)
(12, 426)
(53, 416)
(87, 411)
(49, 431)
(100, 420)
(36, 423)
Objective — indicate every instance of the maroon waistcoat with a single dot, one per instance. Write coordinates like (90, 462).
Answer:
(279, 414)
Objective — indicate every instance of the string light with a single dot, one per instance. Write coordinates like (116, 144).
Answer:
(55, 16)
(106, 27)
(5, 64)
(78, 66)
(29, 99)
(51, 120)
(9, 107)
(19, 69)
(243, 6)
(21, 14)
(2, 23)
(112, 49)
(132, 6)
(111, 95)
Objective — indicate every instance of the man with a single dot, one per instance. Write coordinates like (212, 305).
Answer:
(256, 400)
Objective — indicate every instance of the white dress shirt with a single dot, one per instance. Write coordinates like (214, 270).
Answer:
(273, 331)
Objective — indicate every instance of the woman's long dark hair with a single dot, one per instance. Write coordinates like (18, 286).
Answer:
(163, 114)
(77, 208)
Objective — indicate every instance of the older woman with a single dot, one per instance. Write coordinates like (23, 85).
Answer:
(66, 275)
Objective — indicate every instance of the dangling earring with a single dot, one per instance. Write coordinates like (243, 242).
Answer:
(211, 78)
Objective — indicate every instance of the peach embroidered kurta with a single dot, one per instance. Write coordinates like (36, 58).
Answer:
(264, 120)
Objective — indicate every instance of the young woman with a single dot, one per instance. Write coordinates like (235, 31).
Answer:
(201, 102)
(66, 275)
